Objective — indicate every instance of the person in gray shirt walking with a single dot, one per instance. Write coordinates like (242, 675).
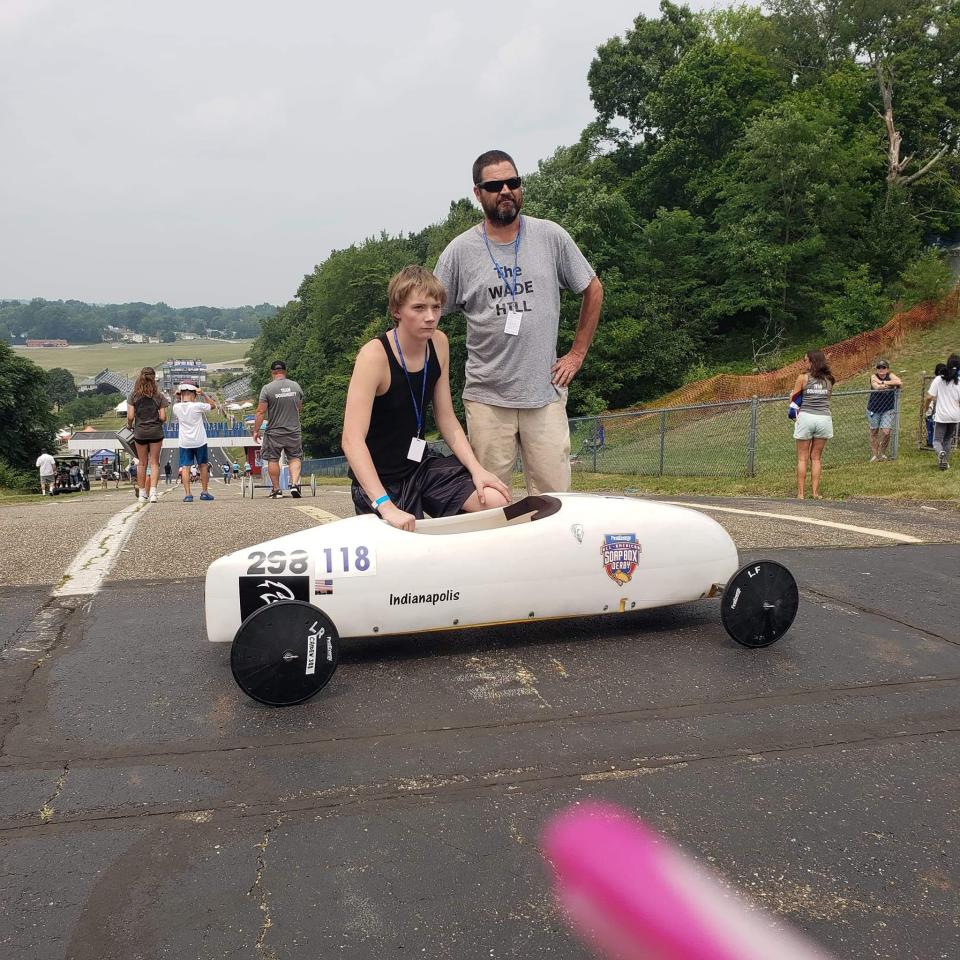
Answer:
(505, 275)
(280, 402)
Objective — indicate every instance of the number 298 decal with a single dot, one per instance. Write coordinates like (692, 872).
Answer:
(277, 562)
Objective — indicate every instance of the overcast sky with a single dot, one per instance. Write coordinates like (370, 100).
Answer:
(213, 151)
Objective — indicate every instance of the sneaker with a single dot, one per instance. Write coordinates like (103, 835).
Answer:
(206, 496)
(142, 497)
(275, 495)
(295, 492)
(153, 496)
(873, 459)
(942, 461)
(188, 498)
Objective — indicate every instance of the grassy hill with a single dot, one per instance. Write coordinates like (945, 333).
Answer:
(716, 444)
(128, 358)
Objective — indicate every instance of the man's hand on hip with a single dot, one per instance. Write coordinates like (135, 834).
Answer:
(565, 369)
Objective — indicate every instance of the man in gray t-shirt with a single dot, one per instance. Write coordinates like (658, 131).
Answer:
(506, 275)
(280, 402)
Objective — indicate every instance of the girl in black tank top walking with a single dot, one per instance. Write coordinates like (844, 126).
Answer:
(396, 379)
(814, 424)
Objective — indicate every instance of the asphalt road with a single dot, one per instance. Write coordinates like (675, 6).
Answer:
(148, 809)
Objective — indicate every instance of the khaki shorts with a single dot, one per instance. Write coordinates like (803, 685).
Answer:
(541, 435)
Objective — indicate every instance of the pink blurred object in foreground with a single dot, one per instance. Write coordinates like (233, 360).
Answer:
(637, 897)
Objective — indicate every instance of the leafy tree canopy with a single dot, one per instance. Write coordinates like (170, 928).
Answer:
(756, 174)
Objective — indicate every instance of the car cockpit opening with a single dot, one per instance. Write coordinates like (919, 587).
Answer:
(523, 511)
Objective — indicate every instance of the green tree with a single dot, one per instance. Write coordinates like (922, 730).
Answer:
(61, 388)
(860, 305)
(627, 70)
(926, 277)
(28, 424)
(792, 198)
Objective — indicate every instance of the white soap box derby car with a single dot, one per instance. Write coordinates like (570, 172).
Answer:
(285, 604)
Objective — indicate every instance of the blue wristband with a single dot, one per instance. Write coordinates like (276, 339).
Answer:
(380, 501)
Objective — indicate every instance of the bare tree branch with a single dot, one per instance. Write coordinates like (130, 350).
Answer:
(925, 167)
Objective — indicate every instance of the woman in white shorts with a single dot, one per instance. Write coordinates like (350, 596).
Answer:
(814, 425)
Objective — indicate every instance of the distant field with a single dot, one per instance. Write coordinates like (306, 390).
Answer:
(128, 358)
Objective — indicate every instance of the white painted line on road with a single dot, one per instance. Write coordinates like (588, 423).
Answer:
(321, 516)
(93, 563)
(868, 531)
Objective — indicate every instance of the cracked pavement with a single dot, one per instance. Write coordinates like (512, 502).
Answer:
(149, 810)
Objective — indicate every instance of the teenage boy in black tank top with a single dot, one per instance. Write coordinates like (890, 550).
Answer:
(395, 379)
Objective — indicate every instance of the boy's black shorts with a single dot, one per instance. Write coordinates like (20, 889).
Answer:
(439, 487)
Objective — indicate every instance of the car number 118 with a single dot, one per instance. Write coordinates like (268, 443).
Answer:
(352, 561)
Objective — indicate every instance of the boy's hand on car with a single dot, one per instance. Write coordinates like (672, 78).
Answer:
(398, 518)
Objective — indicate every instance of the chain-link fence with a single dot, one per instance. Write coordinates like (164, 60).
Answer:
(741, 438)
(325, 467)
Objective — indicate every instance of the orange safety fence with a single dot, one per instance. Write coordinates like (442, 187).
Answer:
(847, 358)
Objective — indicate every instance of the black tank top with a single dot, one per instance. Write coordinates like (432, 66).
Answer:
(393, 422)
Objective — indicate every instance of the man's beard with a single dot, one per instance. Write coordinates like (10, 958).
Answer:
(504, 213)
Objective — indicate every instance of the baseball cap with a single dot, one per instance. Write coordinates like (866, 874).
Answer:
(883, 363)
(186, 386)
(278, 365)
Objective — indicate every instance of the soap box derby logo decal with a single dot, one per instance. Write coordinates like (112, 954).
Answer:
(621, 554)
(256, 592)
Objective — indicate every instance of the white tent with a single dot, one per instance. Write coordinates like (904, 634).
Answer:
(234, 406)
(121, 407)
(246, 405)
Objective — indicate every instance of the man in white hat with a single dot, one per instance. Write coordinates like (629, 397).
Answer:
(189, 411)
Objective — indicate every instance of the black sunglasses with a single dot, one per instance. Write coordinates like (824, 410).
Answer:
(495, 186)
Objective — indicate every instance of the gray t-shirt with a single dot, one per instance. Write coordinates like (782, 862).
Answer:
(283, 398)
(816, 396)
(505, 370)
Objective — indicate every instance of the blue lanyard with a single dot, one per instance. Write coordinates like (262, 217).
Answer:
(501, 271)
(417, 411)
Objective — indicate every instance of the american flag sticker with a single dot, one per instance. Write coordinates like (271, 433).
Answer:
(323, 587)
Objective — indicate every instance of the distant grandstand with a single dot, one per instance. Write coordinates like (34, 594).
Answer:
(237, 389)
(106, 381)
(173, 372)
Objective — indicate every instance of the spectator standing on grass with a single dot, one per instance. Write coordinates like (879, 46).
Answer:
(505, 275)
(881, 408)
(932, 404)
(48, 471)
(132, 470)
(814, 424)
(146, 414)
(194, 452)
(944, 391)
(280, 403)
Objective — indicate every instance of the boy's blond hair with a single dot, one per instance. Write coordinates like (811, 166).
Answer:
(409, 279)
